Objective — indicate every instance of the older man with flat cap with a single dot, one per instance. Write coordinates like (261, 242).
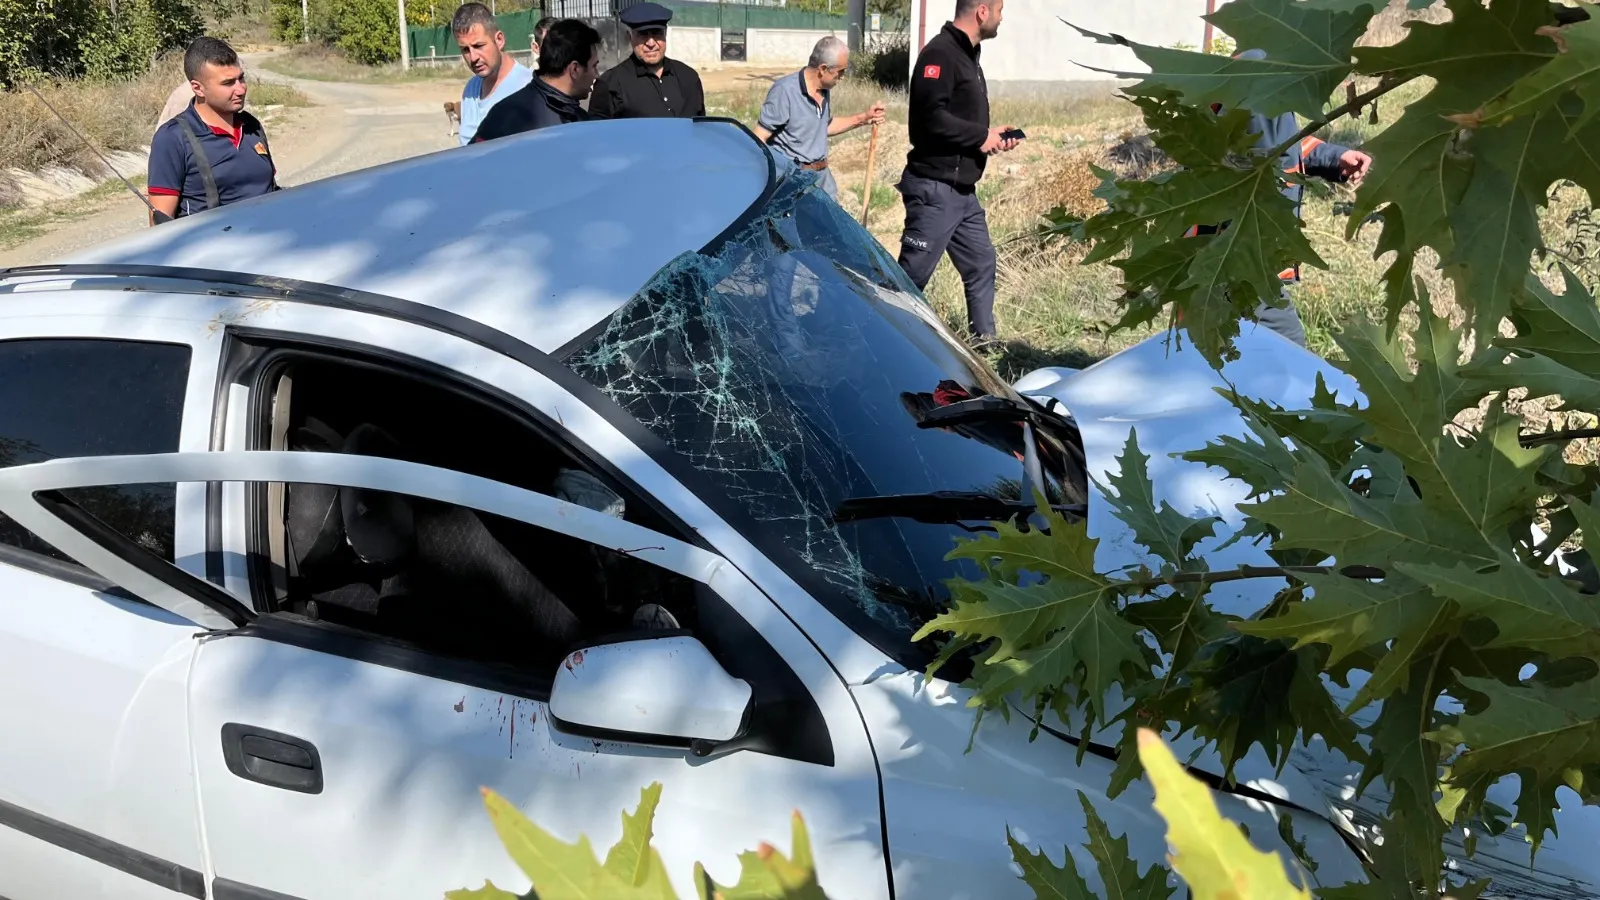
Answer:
(648, 85)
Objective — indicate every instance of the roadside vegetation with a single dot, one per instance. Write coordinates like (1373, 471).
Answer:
(317, 61)
(109, 74)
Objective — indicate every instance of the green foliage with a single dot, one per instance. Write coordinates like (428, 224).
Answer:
(77, 38)
(1118, 872)
(368, 31)
(1308, 44)
(1403, 525)
(632, 867)
(288, 20)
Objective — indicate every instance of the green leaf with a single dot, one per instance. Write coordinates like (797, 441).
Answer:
(562, 871)
(1048, 880)
(1409, 764)
(1064, 631)
(1496, 224)
(1182, 623)
(1576, 68)
(1309, 56)
(1223, 275)
(1119, 873)
(1424, 172)
(1350, 615)
(1549, 737)
(632, 860)
(766, 874)
(1162, 530)
(1065, 552)
(1543, 377)
(1409, 407)
(1564, 328)
(1194, 136)
(1245, 691)
(1212, 855)
(1529, 610)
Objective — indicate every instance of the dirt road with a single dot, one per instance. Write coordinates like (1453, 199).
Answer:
(352, 126)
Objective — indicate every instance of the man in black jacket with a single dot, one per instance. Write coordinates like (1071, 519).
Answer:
(950, 142)
(648, 84)
(569, 63)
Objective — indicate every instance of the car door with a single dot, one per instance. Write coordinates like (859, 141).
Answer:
(333, 765)
(97, 795)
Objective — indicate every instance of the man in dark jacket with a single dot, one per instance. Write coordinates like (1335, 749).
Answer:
(950, 142)
(648, 84)
(569, 62)
(1310, 156)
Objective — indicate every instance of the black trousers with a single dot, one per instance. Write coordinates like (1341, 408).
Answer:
(939, 218)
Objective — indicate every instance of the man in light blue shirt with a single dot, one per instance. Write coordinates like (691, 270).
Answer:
(495, 74)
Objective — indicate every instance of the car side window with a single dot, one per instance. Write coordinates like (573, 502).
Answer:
(62, 397)
(444, 578)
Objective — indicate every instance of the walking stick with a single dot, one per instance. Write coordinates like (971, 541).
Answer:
(866, 191)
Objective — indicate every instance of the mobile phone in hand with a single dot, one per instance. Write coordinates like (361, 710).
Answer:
(1012, 134)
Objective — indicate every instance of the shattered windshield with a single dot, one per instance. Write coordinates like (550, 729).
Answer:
(789, 369)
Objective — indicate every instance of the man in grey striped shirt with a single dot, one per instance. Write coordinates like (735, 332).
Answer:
(797, 116)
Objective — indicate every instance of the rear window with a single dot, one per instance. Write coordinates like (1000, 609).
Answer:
(66, 398)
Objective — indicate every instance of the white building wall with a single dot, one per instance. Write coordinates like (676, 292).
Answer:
(1035, 45)
(782, 46)
(695, 46)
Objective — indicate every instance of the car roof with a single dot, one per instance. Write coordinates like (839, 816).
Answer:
(541, 236)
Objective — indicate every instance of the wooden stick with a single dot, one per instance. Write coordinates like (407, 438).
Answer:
(866, 191)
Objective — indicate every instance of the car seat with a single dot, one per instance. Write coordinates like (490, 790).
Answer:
(425, 571)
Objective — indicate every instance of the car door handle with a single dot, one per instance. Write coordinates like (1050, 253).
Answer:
(272, 758)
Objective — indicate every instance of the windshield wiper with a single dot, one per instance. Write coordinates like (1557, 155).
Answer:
(943, 507)
(994, 408)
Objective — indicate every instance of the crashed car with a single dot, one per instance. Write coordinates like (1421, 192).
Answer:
(561, 465)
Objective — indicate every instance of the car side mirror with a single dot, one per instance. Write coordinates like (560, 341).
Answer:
(665, 689)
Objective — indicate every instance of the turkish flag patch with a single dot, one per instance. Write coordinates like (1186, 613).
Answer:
(930, 71)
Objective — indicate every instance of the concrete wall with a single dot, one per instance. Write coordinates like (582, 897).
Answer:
(1035, 45)
(782, 46)
(695, 46)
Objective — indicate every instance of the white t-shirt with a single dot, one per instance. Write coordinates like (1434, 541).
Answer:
(474, 108)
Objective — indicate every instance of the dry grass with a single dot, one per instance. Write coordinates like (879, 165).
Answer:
(112, 115)
(320, 62)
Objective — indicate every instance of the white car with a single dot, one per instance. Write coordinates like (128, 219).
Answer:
(555, 465)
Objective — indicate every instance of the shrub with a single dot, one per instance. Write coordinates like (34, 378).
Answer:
(368, 31)
(75, 38)
(888, 64)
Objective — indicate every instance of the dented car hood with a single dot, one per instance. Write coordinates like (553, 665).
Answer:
(1168, 394)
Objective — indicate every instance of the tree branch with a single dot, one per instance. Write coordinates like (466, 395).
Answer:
(1554, 437)
(1385, 85)
(1244, 572)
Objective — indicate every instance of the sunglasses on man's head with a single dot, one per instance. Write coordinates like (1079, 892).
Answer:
(650, 34)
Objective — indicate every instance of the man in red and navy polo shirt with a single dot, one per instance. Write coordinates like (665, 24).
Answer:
(213, 153)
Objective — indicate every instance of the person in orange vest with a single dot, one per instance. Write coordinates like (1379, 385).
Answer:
(1311, 156)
